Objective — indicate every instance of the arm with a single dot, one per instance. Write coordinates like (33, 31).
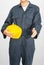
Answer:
(7, 22)
(37, 23)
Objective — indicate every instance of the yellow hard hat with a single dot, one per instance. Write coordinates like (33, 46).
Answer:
(16, 30)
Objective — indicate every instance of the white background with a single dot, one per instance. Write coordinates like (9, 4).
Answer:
(5, 6)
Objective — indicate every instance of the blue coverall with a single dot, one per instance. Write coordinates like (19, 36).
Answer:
(23, 47)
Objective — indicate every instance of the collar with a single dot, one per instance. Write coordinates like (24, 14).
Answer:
(30, 5)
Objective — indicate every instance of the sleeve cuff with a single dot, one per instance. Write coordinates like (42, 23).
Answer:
(4, 36)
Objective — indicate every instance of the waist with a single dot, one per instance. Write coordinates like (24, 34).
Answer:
(27, 33)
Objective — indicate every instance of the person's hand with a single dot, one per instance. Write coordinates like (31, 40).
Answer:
(34, 33)
(6, 32)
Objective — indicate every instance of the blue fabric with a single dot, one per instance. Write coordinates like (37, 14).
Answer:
(23, 47)
(26, 19)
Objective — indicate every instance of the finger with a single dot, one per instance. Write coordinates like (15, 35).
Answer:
(33, 30)
(9, 35)
(5, 32)
(34, 34)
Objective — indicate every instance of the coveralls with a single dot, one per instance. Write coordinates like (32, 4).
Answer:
(23, 47)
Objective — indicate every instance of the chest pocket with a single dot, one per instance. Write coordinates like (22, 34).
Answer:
(17, 20)
(27, 21)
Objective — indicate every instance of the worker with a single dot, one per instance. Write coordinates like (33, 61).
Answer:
(26, 15)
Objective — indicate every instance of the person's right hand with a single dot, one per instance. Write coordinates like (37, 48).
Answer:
(6, 32)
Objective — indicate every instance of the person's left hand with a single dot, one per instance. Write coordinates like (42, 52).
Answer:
(34, 33)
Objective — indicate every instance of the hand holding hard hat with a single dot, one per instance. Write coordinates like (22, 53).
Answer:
(13, 31)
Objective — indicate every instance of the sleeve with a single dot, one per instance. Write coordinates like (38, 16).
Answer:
(7, 22)
(37, 22)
